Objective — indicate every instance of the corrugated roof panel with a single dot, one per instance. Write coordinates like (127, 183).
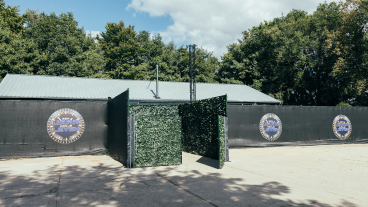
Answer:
(90, 88)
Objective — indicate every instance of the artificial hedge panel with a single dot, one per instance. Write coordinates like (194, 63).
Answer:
(221, 142)
(213, 106)
(157, 135)
(203, 130)
(157, 141)
(200, 135)
(153, 110)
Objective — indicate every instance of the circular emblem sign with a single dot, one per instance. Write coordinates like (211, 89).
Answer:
(270, 127)
(65, 126)
(341, 127)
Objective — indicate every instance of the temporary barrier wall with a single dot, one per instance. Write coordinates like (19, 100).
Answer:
(150, 136)
(203, 127)
(29, 128)
(118, 112)
(296, 125)
(157, 135)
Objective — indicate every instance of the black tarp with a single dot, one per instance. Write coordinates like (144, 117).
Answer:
(300, 125)
(118, 112)
(23, 128)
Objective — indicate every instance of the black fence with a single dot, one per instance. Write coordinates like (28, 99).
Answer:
(36, 128)
(118, 112)
(24, 131)
(300, 125)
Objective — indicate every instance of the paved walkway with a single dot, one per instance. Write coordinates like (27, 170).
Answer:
(278, 176)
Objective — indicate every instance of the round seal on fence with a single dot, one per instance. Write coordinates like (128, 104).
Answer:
(65, 126)
(342, 127)
(270, 127)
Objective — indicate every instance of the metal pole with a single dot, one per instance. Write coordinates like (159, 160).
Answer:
(190, 72)
(194, 74)
(157, 81)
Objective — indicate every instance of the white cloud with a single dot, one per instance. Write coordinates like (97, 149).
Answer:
(214, 24)
(93, 33)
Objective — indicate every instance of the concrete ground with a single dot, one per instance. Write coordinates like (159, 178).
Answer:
(279, 176)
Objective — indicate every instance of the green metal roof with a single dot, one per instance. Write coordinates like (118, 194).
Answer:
(36, 86)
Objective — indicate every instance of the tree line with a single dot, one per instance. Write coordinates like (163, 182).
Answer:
(317, 59)
(50, 44)
(300, 59)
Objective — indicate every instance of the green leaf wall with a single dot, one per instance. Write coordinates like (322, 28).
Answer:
(158, 137)
(213, 106)
(203, 127)
(221, 143)
(200, 135)
(153, 110)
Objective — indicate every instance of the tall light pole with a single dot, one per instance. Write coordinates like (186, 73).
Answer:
(192, 73)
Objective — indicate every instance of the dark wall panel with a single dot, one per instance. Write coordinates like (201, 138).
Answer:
(300, 125)
(23, 128)
(118, 112)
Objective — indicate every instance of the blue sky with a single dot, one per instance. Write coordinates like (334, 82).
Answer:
(93, 15)
(212, 24)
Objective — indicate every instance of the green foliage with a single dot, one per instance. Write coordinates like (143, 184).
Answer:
(64, 49)
(300, 59)
(348, 43)
(11, 18)
(211, 106)
(59, 47)
(153, 110)
(343, 104)
(203, 130)
(158, 135)
(200, 135)
(305, 59)
(157, 141)
(134, 56)
(221, 142)
(121, 50)
(17, 55)
(270, 57)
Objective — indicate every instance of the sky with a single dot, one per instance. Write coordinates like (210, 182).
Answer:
(212, 24)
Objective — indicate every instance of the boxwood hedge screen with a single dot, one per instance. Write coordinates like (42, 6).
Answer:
(157, 135)
(157, 141)
(203, 127)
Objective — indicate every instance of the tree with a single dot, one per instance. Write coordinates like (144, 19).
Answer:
(17, 54)
(270, 58)
(301, 59)
(349, 43)
(10, 17)
(173, 63)
(121, 50)
(64, 48)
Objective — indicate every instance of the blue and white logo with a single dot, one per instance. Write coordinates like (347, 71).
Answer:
(65, 126)
(270, 127)
(342, 127)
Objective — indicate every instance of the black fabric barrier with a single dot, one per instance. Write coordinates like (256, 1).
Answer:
(300, 125)
(118, 112)
(23, 128)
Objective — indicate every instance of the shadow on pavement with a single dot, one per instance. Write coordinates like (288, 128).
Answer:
(113, 185)
(209, 162)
